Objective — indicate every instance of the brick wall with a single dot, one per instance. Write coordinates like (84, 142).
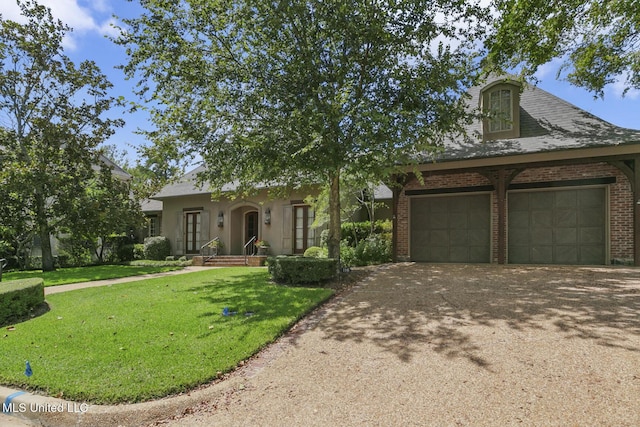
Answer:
(620, 201)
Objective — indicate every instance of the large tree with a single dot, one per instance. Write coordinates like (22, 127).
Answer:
(598, 40)
(301, 92)
(104, 207)
(52, 119)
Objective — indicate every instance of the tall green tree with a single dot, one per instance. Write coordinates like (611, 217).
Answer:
(598, 40)
(52, 118)
(301, 92)
(104, 207)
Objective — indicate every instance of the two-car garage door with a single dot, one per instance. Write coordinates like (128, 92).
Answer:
(564, 226)
(558, 227)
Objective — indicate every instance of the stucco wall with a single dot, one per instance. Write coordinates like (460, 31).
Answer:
(278, 232)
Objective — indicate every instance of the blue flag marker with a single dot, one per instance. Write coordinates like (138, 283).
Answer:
(28, 372)
(225, 311)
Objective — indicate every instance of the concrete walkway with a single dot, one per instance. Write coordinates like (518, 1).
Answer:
(73, 286)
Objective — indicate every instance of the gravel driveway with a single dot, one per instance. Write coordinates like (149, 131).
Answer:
(446, 345)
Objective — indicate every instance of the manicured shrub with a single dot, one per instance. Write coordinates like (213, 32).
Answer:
(125, 253)
(152, 263)
(157, 248)
(18, 298)
(316, 252)
(120, 248)
(138, 251)
(375, 249)
(300, 270)
(347, 255)
(355, 232)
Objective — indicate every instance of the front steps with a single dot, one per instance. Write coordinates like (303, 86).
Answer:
(229, 261)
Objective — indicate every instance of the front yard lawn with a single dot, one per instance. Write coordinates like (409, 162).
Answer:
(64, 276)
(143, 340)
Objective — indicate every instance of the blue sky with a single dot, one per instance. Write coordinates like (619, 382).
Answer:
(92, 19)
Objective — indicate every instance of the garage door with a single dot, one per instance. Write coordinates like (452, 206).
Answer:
(557, 227)
(451, 229)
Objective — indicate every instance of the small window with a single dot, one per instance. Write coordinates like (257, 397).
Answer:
(153, 226)
(500, 111)
(500, 101)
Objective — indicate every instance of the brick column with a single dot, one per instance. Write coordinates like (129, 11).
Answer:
(636, 211)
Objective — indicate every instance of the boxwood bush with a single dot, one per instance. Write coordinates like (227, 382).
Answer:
(181, 262)
(18, 298)
(301, 270)
(157, 248)
(316, 252)
(375, 249)
(138, 251)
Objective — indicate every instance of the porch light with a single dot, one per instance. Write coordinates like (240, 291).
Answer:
(220, 219)
(267, 216)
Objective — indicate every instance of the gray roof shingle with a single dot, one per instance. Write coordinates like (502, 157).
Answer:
(547, 123)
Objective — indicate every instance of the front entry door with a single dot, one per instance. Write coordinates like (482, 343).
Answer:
(250, 226)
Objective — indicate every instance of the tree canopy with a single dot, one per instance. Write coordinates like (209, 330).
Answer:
(599, 41)
(302, 92)
(51, 123)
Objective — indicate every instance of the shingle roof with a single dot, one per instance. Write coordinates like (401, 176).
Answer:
(151, 206)
(115, 169)
(187, 186)
(547, 123)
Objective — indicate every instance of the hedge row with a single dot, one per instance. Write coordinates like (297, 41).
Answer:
(18, 298)
(298, 270)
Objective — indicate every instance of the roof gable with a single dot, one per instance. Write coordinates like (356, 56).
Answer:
(547, 123)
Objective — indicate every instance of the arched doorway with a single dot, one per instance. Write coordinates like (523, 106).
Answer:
(244, 223)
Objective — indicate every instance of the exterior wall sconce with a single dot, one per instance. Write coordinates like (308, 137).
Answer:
(220, 219)
(267, 216)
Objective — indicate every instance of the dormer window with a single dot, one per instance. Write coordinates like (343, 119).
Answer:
(500, 111)
(500, 101)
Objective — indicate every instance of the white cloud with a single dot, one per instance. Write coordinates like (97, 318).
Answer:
(81, 18)
(101, 5)
(10, 10)
(107, 28)
(550, 69)
(617, 89)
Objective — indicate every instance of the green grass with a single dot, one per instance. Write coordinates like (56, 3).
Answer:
(64, 276)
(143, 340)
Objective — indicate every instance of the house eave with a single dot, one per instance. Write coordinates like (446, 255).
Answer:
(586, 154)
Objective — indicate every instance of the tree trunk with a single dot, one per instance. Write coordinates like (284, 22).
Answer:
(45, 244)
(333, 241)
(45, 233)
